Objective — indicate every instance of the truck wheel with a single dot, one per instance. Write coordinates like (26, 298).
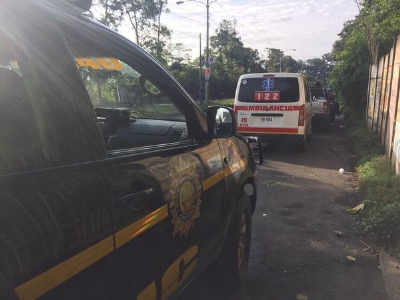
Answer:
(309, 135)
(234, 258)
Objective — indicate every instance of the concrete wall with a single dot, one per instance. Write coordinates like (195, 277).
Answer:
(383, 109)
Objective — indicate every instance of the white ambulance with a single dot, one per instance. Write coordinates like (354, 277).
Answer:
(274, 106)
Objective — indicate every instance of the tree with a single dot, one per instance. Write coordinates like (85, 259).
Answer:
(317, 70)
(157, 35)
(180, 54)
(361, 41)
(349, 77)
(277, 61)
(274, 57)
(140, 14)
(108, 12)
(232, 59)
(288, 64)
(381, 22)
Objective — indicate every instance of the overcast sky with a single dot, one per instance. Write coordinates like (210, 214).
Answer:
(309, 26)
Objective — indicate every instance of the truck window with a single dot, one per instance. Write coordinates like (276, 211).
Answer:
(131, 110)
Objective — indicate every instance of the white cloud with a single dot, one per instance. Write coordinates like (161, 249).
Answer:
(310, 26)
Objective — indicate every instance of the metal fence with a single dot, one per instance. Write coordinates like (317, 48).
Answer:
(383, 109)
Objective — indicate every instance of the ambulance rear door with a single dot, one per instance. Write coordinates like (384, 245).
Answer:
(268, 104)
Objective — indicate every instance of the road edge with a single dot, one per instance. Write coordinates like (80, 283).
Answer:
(391, 275)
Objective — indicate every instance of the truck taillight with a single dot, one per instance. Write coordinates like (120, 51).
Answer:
(301, 115)
(325, 107)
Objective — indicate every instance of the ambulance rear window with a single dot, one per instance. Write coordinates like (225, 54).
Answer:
(269, 90)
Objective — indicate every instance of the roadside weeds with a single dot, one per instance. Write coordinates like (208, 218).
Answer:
(378, 216)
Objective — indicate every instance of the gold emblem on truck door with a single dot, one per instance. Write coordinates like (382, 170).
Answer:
(185, 196)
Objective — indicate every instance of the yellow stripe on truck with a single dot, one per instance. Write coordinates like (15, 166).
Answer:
(48, 280)
(130, 232)
(214, 179)
(53, 277)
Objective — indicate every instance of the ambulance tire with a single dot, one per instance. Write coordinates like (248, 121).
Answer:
(234, 257)
(301, 145)
(309, 136)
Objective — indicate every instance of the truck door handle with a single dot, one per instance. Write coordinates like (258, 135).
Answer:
(134, 199)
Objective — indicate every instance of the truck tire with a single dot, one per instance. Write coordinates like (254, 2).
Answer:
(327, 127)
(259, 152)
(301, 145)
(234, 258)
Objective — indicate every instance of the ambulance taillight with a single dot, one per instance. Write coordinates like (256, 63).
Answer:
(325, 108)
(301, 116)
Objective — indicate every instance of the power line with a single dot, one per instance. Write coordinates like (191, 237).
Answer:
(190, 11)
(187, 34)
(216, 23)
(185, 18)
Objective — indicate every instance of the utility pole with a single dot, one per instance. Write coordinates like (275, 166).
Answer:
(207, 82)
(207, 62)
(200, 73)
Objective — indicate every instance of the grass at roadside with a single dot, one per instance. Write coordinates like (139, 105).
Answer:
(379, 185)
(225, 102)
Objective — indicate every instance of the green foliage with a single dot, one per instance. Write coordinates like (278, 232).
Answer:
(375, 27)
(349, 77)
(232, 60)
(225, 102)
(188, 77)
(108, 12)
(378, 181)
(365, 143)
(384, 19)
(382, 221)
(379, 184)
(317, 69)
(273, 60)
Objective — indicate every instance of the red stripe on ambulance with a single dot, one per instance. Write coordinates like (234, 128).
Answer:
(266, 108)
(267, 130)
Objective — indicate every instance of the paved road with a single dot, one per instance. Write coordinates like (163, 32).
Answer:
(303, 199)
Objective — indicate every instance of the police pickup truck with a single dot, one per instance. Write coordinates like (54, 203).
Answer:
(114, 184)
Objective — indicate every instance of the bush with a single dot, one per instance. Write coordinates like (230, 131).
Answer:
(381, 187)
(365, 143)
(382, 222)
(378, 183)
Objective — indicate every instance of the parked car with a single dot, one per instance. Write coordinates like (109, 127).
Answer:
(321, 117)
(274, 106)
(114, 184)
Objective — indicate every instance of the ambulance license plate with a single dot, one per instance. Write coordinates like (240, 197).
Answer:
(267, 119)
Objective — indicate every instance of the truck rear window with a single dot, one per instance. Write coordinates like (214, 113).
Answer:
(318, 93)
(269, 90)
